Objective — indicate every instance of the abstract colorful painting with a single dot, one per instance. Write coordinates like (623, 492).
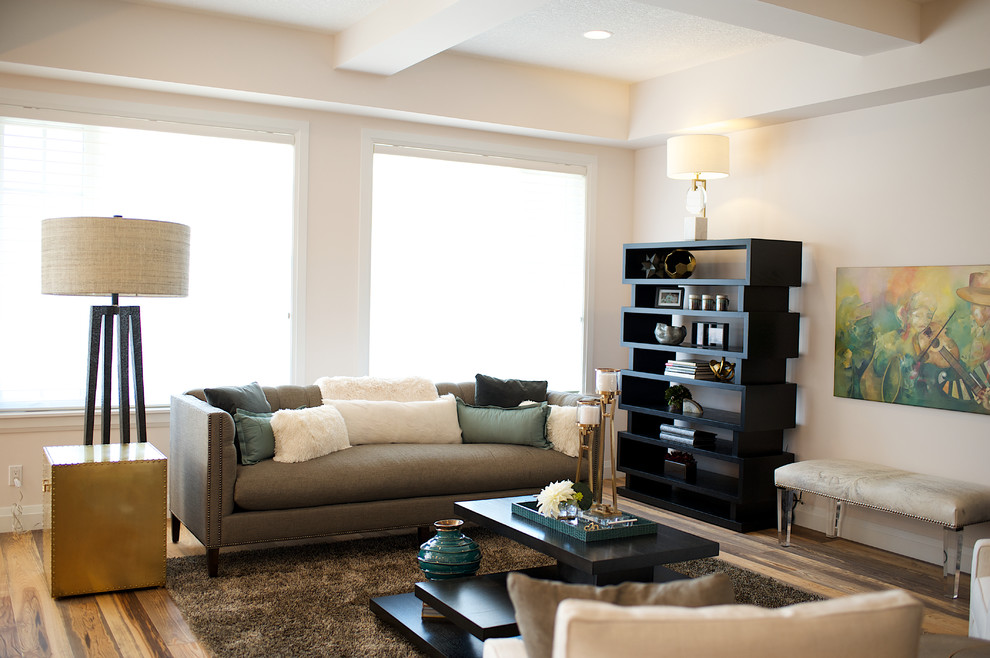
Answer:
(914, 335)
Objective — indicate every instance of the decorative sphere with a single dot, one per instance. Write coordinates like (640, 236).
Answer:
(679, 264)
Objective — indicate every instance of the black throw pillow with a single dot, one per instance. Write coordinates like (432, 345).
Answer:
(495, 392)
(232, 398)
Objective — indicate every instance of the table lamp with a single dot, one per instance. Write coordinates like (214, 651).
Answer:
(697, 158)
(114, 256)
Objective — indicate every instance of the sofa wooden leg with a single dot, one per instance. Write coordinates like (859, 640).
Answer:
(424, 533)
(212, 562)
(175, 529)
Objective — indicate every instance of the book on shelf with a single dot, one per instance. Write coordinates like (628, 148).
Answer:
(690, 375)
(689, 432)
(700, 442)
(687, 436)
(692, 369)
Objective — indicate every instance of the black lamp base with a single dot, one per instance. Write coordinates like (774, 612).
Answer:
(101, 325)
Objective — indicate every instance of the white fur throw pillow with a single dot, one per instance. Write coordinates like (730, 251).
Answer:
(387, 421)
(406, 389)
(562, 429)
(304, 434)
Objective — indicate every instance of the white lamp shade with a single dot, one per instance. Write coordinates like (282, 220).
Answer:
(698, 156)
(114, 255)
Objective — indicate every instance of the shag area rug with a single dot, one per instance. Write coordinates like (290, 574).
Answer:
(312, 600)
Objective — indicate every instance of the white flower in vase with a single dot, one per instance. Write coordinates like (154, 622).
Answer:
(549, 500)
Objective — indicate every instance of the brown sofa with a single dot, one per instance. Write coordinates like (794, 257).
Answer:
(364, 488)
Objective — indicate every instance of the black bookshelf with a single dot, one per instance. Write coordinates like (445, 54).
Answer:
(733, 486)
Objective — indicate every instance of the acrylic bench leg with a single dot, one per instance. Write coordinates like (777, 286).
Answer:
(786, 501)
(952, 544)
(834, 518)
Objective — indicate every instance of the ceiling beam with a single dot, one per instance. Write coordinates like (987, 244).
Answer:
(857, 27)
(402, 33)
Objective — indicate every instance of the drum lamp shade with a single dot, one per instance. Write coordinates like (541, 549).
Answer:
(114, 256)
(698, 156)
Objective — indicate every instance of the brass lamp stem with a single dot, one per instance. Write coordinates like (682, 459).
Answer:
(695, 184)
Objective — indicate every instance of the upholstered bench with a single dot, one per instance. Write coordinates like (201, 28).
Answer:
(953, 504)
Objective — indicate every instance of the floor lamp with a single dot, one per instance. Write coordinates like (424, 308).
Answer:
(114, 256)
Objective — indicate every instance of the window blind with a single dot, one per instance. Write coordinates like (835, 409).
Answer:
(236, 194)
(477, 265)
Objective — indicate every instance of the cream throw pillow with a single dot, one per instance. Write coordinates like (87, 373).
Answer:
(875, 625)
(536, 600)
(405, 389)
(304, 434)
(562, 429)
(386, 421)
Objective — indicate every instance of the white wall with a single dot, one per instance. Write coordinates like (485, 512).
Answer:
(900, 184)
(332, 331)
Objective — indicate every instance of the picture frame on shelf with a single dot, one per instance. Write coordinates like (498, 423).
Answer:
(670, 297)
(699, 333)
(710, 334)
(718, 335)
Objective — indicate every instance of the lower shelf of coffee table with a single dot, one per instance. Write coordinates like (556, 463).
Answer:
(434, 637)
(475, 609)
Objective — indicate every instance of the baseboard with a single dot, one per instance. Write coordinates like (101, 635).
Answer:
(890, 532)
(31, 518)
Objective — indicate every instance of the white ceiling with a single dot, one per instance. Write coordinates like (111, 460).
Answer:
(651, 37)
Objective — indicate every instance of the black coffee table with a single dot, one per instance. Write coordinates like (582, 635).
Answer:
(479, 608)
(597, 562)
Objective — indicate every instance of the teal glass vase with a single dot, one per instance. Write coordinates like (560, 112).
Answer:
(449, 554)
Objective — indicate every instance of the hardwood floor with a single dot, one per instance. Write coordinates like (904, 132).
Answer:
(147, 623)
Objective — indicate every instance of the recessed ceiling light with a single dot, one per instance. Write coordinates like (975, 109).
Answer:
(597, 34)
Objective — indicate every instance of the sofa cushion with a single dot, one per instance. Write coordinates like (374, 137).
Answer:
(398, 471)
(404, 389)
(876, 625)
(386, 421)
(536, 601)
(492, 391)
(518, 425)
(254, 436)
(304, 434)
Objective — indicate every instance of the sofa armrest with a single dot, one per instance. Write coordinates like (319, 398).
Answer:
(202, 467)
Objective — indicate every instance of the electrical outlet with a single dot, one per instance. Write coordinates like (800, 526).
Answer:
(16, 473)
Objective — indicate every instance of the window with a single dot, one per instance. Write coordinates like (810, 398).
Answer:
(477, 265)
(236, 194)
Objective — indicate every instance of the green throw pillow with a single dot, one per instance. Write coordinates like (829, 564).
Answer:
(535, 601)
(250, 397)
(519, 425)
(254, 436)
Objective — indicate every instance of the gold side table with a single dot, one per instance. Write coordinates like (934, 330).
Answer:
(104, 518)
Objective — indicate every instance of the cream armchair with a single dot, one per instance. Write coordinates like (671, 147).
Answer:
(979, 591)
(875, 625)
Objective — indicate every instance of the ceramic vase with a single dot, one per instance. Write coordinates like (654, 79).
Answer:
(449, 554)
